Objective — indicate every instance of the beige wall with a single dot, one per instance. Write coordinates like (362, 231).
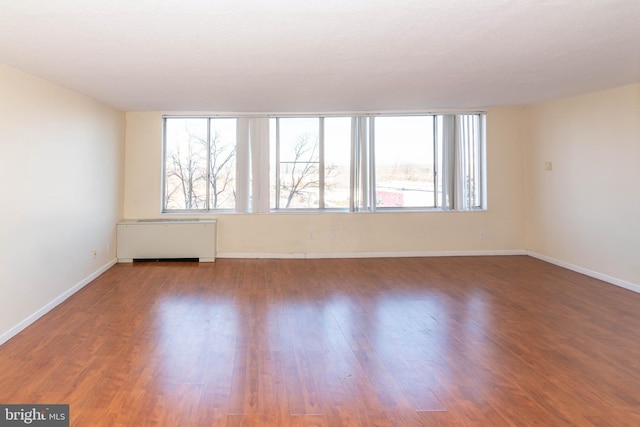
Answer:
(343, 234)
(585, 212)
(61, 179)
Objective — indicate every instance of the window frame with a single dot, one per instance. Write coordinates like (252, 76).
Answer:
(322, 190)
(374, 177)
(362, 164)
(208, 209)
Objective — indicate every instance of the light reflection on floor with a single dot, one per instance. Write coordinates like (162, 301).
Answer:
(408, 334)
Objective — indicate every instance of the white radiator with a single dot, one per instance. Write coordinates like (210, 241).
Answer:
(166, 239)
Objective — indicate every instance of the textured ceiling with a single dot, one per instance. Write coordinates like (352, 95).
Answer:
(329, 55)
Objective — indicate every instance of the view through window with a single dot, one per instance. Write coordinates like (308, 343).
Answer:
(199, 163)
(349, 163)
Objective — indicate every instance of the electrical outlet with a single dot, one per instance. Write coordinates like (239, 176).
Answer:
(94, 254)
(482, 235)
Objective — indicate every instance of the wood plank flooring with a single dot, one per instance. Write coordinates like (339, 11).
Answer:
(461, 341)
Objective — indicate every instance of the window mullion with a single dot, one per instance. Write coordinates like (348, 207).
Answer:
(435, 161)
(165, 198)
(449, 155)
(370, 182)
(354, 165)
(277, 183)
(482, 199)
(321, 204)
(208, 174)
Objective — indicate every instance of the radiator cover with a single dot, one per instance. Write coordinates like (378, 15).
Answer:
(166, 239)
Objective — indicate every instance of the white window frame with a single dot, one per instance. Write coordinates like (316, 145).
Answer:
(207, 201)
(321, 167)
(459, 147)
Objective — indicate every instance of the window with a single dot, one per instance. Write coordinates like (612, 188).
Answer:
(359, 163)
(413, 162)
(404, 162)
(199, 163)
(310, 162)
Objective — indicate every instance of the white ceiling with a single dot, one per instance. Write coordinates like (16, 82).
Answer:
(320, 56)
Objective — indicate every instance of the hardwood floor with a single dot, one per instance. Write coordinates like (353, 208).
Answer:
(481, 341)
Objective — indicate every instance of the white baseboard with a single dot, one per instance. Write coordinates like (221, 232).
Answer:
(324, 255)
(54, 303)
(605, 278)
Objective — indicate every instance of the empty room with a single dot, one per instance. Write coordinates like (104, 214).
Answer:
(336, 213)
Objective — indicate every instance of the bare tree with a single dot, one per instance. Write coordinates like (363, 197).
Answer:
(189, 174)
(185, 170)
(221, 170)
(303, 174)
